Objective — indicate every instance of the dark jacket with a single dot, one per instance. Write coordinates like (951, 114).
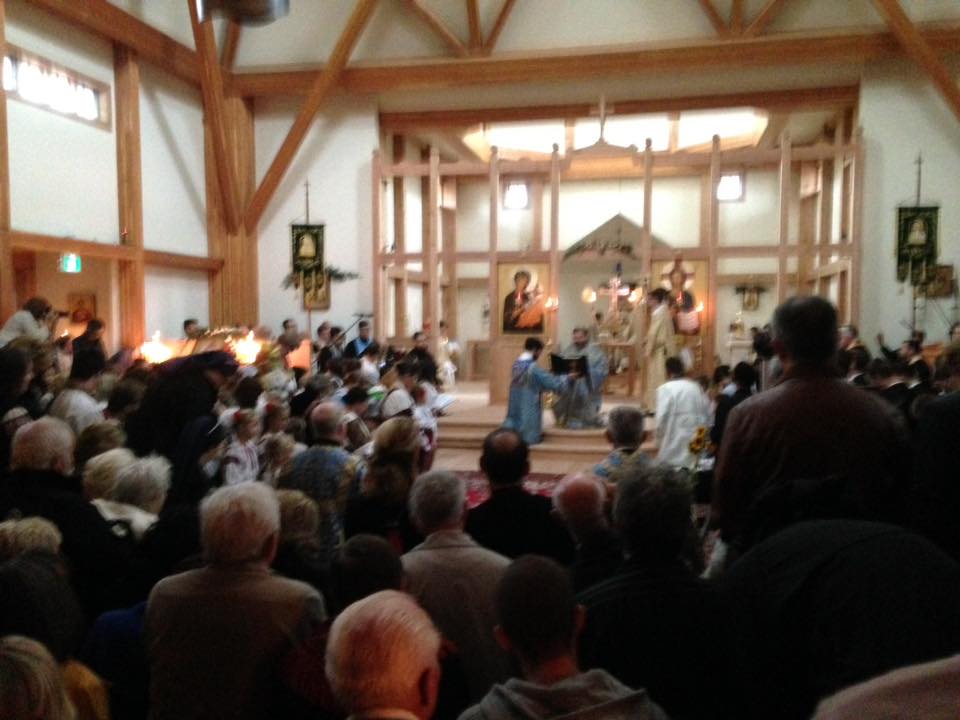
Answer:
(835, 602)
(936, 501)
(100, 553)
(666, 630)
(513, 523)
(726, 403)
(812, 446)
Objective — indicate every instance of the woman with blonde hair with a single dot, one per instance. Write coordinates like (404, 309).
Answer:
(381, 507)
(31, 683)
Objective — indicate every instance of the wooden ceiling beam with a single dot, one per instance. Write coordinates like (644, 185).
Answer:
(473, 18)
(108, 21)
(323, 85)
(230, 45)
(766, 16)
(763, 51)
(713, 15)
(438, 27)
(736, 17)
(211, 85)
(919, 50)
(783, 101)
(498, 25)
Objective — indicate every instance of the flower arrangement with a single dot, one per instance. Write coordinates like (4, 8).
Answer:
(699, 446)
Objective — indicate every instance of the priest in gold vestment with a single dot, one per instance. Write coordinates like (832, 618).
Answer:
(659, 345)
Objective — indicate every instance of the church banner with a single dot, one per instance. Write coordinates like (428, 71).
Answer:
(308, 268)
(917, 244)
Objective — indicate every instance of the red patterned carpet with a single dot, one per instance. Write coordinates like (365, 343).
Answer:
(478, 489)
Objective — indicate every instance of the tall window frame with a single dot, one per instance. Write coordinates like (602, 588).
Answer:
(16, 61)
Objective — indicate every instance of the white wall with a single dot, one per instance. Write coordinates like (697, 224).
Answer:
(172, 297)
(174, 195)
(903, 115)
(335, 157)
(63, 172)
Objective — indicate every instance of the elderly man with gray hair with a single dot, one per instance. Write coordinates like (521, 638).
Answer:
(382, 659)
(453, 578)
(625, 432)
(215, 635)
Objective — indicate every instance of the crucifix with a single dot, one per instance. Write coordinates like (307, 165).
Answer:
(602, 110)
(614, 290)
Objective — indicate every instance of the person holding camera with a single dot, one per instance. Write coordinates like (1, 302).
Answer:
(36, 320)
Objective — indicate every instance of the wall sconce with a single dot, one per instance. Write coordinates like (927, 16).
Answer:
(552, 304)
(589, 295)
(635, 296)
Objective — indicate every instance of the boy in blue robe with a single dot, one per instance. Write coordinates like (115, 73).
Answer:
(528, 380)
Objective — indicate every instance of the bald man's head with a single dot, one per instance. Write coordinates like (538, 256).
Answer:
(580, 499)
(505, 458)
(327, 420)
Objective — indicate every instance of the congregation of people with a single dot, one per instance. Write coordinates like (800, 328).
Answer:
(200, 539)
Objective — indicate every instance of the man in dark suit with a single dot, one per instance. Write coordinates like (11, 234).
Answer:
(355, 347)
(744, 377)
(513, 522)
(813, 445)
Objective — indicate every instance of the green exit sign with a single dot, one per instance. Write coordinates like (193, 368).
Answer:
(70, 263)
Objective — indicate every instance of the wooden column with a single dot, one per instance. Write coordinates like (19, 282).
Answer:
(713, 252)
(399, 239)
(856, 234)
(492, 290)
(234, 291)
(432, 241)
(646, 255)
(786, 179)
(555, 258)
(8, 300)
(376, 212)
(126, 68)
(448, 223)
(536, 200)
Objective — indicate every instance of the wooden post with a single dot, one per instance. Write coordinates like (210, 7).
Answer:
(856, 234)
(713, 251)
(8, 299)
(430, 251)
(646, 253)
(376, 212)
(448, 222)
(536, 199)
(786, 179)
(234, 290)
(492, 289)
(126, 68)
(555, 241)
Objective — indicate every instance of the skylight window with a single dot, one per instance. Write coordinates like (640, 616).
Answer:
(37, 81)
(698, 128)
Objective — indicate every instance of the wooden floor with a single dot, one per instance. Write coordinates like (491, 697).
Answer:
(472, 416)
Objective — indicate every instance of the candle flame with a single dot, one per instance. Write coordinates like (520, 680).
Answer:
(154, 351)
(247, 349)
